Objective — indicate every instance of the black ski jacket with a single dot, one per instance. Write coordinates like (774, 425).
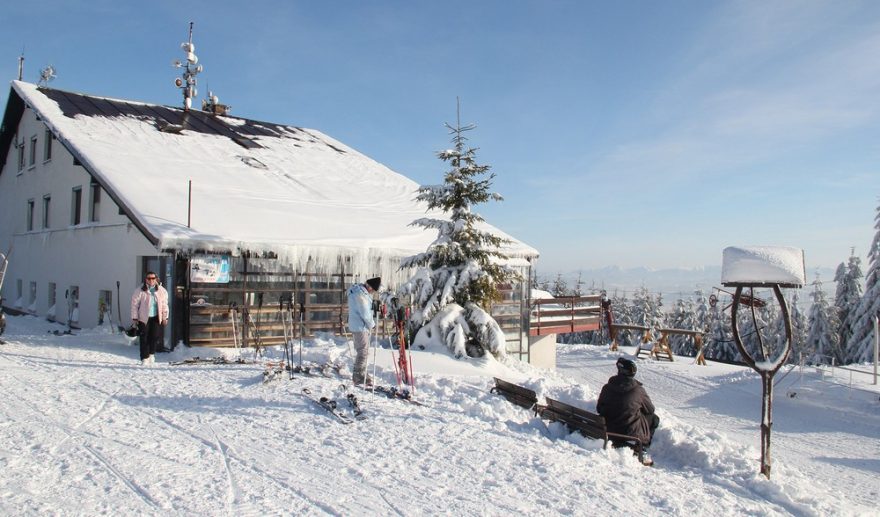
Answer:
(627, 408)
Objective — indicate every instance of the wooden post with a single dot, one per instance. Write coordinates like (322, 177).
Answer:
(766, 375)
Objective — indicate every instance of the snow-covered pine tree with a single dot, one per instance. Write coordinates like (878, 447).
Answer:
(762, 323)
(860, 347)
(822, 340)
(702, 314)
(623, 315)
(578, 286)
(719, 341)
(799, 329)
(544, 285)
(683, 317)
(646, 311)
(560, 287)
(847, 298)
(458, 275)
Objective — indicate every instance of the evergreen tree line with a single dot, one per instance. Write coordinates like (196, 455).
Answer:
(841, 330)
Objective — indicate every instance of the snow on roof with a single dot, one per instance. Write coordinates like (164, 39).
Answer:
(763, 265)
(255, 185)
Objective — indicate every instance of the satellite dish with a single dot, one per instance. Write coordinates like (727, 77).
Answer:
(199, 69)
(188, 47)
(192, 58)
(178, 82)
(176, 63)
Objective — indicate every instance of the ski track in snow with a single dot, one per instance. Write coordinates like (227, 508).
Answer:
(116, 437)
(143, 495)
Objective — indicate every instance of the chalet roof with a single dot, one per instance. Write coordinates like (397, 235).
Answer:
(255, 185)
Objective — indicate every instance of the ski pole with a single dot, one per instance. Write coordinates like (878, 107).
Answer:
(375, 335)
(302, 310)
(283, 327)
(375, 346)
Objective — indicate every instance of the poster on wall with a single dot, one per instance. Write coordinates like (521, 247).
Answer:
(212, 270)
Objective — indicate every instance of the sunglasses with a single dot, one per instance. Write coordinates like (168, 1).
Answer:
(151, 278)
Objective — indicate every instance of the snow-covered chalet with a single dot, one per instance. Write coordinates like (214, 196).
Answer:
(229, 212)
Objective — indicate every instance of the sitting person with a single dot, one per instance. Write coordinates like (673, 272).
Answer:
(626, 406)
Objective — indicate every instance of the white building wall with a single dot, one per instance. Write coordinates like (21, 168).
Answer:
(542, 351)
(91, 255)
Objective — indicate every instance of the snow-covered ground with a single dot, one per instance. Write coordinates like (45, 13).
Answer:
(86, 429)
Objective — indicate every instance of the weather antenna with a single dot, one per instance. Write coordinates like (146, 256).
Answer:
(191, 68)
(47, 74)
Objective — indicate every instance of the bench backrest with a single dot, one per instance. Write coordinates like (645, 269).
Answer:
(516, 394)
(587, 423)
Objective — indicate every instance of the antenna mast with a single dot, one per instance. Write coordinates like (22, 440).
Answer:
(20, 65)
(187, 81)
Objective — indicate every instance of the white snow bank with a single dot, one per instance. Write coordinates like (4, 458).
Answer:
(763, 265)
(84, 421)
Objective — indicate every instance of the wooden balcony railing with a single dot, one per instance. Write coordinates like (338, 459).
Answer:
(565, 314)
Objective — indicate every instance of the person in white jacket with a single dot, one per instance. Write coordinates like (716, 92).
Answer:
(360, 322)
(149, 311)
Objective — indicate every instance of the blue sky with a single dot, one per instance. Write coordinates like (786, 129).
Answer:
(636, 133)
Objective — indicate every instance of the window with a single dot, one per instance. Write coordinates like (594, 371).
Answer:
(32, 155)
(47, 200)
(95, 202)
(30, 215)
(76, 206)
(20, 157)
(32, 298)
(47, 146)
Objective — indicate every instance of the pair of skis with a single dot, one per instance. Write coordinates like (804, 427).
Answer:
(403, 361)
(332, 406)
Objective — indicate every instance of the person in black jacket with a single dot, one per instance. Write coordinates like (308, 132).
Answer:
(626, 406)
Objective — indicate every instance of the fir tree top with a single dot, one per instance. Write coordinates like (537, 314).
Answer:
(460, 244)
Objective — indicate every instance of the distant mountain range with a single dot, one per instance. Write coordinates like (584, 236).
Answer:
(672, 283)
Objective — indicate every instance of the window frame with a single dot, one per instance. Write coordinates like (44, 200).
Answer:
(76, 206)
(32, 153)
(29, 221)
(21, 160)
(47, 146)
(94, 202)
(47, 201)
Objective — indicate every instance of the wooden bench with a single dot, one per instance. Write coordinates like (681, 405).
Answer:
(575, 419)
(518, 395)
(656, 350)
(590, 425)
